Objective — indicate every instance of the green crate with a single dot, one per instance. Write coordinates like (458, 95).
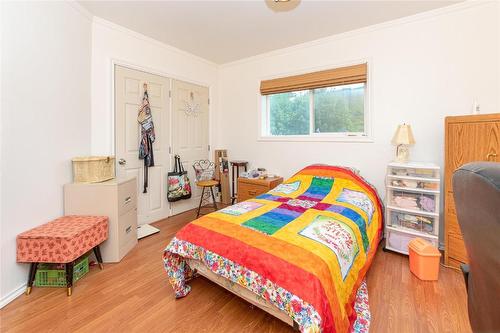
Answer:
(48, 275)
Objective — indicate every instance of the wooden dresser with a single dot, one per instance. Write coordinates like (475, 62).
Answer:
(117, 199)
(250, 188)
(467, 139)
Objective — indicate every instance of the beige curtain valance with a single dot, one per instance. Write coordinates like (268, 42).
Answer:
(321, 79)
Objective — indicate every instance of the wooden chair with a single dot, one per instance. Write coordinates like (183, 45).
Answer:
(204, 171)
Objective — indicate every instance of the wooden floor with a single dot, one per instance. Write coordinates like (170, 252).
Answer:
(134, 296)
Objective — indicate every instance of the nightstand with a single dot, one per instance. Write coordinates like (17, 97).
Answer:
(249, 188)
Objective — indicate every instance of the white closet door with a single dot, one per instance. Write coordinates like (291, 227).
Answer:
(151, 206)
(189, 133)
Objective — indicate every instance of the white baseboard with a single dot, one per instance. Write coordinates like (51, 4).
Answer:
(12, 295)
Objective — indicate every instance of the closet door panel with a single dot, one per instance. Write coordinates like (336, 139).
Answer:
(189, 133)
(129, 89)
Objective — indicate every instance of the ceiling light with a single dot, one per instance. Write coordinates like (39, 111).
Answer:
(279, 6)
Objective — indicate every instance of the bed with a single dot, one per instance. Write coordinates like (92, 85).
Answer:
(299, 251)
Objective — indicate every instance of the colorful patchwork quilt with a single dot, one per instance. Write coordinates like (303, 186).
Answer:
(304, 246)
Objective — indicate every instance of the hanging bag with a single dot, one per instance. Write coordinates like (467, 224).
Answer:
(179, 187)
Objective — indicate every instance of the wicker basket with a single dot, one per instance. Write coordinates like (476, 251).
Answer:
(93, 169)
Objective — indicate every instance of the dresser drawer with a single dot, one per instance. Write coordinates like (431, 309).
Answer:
(247, 191)
(453, 263)
(127, 231)
(456, 248)
(452, 226)
(127, 197)
(450, 204)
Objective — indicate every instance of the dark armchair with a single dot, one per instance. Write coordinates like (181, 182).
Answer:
(476, 189)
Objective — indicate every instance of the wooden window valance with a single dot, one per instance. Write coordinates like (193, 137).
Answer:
(321, 79)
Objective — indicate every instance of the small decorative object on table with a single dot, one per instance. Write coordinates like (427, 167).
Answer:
(249, 188)
(402, 139)
(412, 204)
(254, 173)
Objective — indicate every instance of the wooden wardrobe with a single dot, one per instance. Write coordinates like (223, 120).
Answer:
(467, 139)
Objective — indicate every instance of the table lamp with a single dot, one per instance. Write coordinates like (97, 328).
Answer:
(402, 139)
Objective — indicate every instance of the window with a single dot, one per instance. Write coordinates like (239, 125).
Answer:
(333, 106)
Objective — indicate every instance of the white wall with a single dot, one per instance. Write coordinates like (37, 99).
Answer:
(45, 119)
(111, 42)
(422, 69)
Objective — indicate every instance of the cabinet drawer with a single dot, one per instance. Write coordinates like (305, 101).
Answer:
(127, 197)
(454, 263)
(452, 226)
(127, 229)
(398, 241)
(456, 248)
(248, 191)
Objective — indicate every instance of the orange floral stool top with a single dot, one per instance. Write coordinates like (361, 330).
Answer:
(62, 240)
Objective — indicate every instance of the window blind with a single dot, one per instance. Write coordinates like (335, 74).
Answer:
(327, 78)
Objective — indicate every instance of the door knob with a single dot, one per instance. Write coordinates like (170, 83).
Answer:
(121, 161)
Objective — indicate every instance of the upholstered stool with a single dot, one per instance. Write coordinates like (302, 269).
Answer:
(62, 241)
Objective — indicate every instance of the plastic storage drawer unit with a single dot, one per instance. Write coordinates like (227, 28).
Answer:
(424, 259)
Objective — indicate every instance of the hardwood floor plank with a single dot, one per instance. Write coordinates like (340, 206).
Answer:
(135, 296)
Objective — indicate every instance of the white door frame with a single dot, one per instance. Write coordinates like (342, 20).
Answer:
(116, 62)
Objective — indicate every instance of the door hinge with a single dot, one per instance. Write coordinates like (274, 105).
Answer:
(170, 93)
(209, 101)
(208, 147)
(169, 149)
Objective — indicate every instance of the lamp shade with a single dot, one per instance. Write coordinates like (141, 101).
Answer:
(403, 135)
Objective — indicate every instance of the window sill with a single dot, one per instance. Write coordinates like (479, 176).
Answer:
(300, 138)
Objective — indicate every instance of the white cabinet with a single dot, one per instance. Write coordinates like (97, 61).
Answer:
(411, 204)
(116, 199)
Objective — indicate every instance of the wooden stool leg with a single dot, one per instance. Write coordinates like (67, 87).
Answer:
(233, 196)
(31, 277)
(69, 277)
(237, 176)
(97, 253)
(201, 200)
(213, 197)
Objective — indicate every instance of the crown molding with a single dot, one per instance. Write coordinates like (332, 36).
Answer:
(80, 9)
(365, 30)
(137, 35)
(98, 20)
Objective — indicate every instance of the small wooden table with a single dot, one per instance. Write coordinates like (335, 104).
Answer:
(249, 188)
